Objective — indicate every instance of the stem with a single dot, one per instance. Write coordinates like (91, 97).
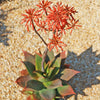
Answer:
(38, 34)
(45, 52)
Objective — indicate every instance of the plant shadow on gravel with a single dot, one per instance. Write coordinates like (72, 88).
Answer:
(3, 28)
(4, 34)
(86, 63)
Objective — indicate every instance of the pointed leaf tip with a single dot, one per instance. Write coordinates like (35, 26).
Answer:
(65, 90)
(29, 57)
(68, 74)
(22, 80)
(30, 67)
(22, 61)
(39, 54)
(25, 53)
(63, 55)
(24, 72)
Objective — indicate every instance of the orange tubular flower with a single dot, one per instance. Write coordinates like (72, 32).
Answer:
(70, 11)
(55, 42)
(42, 25)
(29, 17)
(74, 26)
(43, 5)
(57, 18)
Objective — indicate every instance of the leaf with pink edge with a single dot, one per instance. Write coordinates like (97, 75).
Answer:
(30, 67)
(38, 61)
(22, 80)
(67, 74)
(35, 85)
(27, 91)
(53, 72)
(65, 90)
(53, 84)
(57, 62)
(63, 55)
(29, 57)
(47, 94)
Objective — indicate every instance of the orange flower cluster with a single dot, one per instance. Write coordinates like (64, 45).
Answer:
(43, 5)
(58, 19)
(29, 17)
(55, 42)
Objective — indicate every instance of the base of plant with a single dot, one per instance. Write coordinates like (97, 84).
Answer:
(47, 85)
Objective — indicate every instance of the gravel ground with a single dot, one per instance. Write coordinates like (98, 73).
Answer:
(83, 48)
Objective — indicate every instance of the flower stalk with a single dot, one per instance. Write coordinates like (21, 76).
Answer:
(45, 52)
(58, 19)
(38, 34)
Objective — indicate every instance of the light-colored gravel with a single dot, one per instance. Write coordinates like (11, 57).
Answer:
(83, 46)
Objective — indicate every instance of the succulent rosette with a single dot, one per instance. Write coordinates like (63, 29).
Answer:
(47, 85)
(46, 75)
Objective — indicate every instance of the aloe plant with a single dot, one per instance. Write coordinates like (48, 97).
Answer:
(50, 84)
(46, 75)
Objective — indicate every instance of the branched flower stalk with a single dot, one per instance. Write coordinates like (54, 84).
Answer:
(38, 34)
(45, 52)
(57, 19)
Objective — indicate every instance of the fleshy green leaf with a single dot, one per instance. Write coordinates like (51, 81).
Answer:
(46, 68)
(27, 91)
(29, 57)
(38, 61)
(68, 74)
(53, 84)
(37, 95)
(22, 80)
(57, 62)
(54, 68)
(47, 94)
(30, 67)
(38, 76)
(50, 55)
(35, 85)
(65, 90)
(53, 72)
